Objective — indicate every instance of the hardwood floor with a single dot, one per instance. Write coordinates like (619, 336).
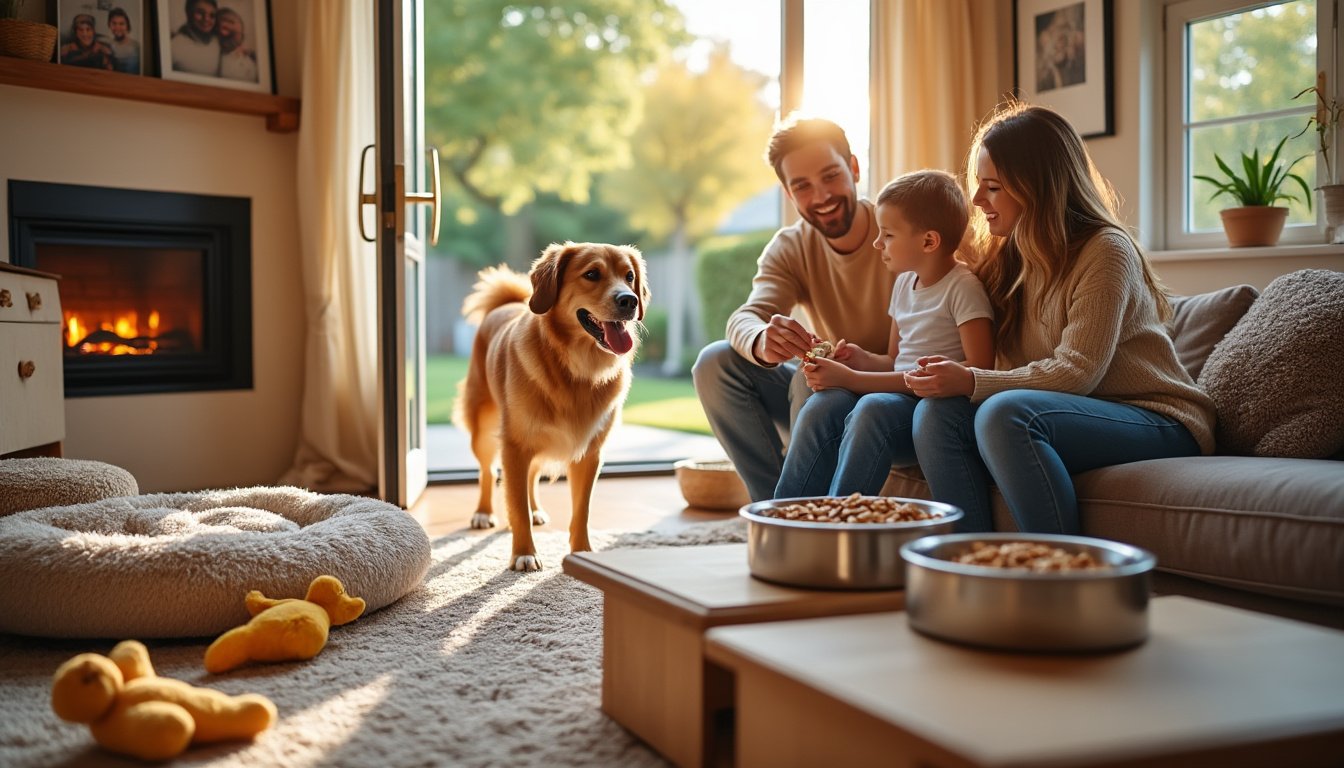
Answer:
(620, 503)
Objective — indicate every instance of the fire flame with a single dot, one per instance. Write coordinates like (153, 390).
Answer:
(125, 325)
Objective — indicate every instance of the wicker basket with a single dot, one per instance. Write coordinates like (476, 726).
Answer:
(27, 39)
(711, 484)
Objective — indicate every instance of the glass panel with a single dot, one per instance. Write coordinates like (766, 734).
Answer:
(835, 68)
(1252, 62)
(623, 121)
(1226, 141)
(414, 358)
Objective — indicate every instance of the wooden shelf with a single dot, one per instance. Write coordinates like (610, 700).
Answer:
(281, 112)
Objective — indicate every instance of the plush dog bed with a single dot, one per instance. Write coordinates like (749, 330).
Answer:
(179, 565)
(48, 482)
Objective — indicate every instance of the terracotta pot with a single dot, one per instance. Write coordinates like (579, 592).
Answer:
(1253, 225)
(27, 39)
(1332, 203)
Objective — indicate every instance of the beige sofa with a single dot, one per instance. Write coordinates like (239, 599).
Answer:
(1260, 530)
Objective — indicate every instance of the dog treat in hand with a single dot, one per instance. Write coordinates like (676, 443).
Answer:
(824, 349)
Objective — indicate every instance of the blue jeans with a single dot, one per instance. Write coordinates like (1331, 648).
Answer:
(751, 410)
(1029, 443)
(843, 442)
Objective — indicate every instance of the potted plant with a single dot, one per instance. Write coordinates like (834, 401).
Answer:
(22, 38)
(1256, 221)
(1325, 122)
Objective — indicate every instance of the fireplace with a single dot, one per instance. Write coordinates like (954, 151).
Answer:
(156, 291)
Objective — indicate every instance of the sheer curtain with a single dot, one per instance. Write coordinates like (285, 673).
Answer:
(338, 436)
(938, 69)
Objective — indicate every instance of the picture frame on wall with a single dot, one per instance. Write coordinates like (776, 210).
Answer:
(224, 43)
(102, 34)
(1063, 60)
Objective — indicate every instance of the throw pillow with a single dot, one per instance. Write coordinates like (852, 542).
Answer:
(1199, 322)
(1275, 377)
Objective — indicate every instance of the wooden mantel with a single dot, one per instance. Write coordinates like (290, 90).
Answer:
(281, 112)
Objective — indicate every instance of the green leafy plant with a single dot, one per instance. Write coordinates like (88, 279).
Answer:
(1259, 183)
(9, 9)
(1325, 121)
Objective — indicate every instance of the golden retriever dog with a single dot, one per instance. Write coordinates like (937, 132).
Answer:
(549, 370)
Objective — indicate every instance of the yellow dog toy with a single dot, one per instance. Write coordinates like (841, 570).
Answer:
(132, 711)
(284, 630)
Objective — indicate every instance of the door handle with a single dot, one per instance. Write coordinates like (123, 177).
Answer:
(432, 198)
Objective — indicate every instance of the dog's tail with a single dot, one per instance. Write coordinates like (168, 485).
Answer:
(495, 287)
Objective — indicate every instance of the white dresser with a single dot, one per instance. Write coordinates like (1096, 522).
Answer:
(32, 386)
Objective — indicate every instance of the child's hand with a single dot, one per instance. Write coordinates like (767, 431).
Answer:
(823, 373)
(938, 376)
(844, 351)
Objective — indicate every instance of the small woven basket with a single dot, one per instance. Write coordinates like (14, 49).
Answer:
(27, 39)
(711, 484)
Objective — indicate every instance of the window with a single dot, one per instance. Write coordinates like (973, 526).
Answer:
(1233, 70)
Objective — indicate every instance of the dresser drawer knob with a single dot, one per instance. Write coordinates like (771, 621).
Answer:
(34, 302)
(26, 369)
(5, 300)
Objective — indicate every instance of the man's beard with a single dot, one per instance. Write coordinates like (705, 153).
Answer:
(838, 227)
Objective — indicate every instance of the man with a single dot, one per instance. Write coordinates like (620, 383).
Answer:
(825, 265)
(195, 46)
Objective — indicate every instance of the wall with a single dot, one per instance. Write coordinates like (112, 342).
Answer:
(184, 441)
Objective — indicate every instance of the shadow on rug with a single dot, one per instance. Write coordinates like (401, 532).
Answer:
(479, 666)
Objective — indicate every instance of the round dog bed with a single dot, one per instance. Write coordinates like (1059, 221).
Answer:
(47, 482)
(179, 564)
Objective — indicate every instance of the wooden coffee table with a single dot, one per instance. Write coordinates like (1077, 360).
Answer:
(1212, 686)
(657, 605)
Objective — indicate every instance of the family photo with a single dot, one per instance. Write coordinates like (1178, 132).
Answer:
(102, 34)
(212, 43)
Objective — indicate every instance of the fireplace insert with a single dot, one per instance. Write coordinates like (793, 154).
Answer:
(156, 290)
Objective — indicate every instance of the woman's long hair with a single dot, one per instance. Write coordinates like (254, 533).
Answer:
(1044, 166)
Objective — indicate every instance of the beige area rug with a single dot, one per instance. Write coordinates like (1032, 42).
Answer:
(479, 666)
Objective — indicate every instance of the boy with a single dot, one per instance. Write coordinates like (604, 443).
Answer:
(858, 423)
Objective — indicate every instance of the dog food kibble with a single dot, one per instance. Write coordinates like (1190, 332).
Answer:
(1029, 555)
(824, 349)
(854, 508)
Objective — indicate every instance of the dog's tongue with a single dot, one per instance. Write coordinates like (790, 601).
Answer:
(617, 337)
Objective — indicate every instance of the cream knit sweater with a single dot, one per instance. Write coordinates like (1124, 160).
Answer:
(843, 295)
(1101, 337)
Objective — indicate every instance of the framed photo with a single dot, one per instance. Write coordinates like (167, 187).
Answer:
(225, 43)
(102, 34)
(1062, 60)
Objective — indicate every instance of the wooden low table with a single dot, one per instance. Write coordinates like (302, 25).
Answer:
(1212, 686)
(657, 605)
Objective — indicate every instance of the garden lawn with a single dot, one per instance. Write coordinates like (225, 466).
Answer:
(653, 401)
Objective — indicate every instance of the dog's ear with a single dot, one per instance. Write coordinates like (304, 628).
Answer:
(641, 281)
(546, 273)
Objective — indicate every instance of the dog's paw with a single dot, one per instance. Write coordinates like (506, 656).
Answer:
(526, 563)
(539, 517)
(482, 520)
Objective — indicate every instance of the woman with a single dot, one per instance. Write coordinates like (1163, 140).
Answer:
(1086, 375)
(84, 49)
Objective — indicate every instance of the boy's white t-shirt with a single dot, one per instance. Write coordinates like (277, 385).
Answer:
(929, 317)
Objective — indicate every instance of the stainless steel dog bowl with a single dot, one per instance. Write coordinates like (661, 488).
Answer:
(1017, 609)
(823, 555)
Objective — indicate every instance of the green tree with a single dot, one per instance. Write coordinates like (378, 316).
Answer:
(696, 154)
(525, 99)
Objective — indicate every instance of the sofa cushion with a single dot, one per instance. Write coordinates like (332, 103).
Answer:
(1199, 322)
(1272, 378)
(1274, 526)
(1271, 526)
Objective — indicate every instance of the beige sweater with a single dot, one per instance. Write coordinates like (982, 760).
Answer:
(843, 295)
(1102, 338)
